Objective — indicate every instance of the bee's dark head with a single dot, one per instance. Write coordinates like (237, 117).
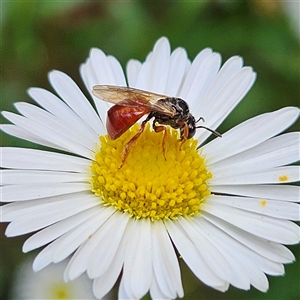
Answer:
(191, 122)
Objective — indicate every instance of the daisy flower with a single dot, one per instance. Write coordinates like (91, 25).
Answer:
(49, 284)
(224, 206)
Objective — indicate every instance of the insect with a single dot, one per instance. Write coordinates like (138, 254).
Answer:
(132, 104)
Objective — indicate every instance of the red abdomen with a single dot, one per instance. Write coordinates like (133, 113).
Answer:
(121, 118)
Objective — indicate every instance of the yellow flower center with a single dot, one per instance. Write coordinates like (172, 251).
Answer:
(148, 185)
(60, 291)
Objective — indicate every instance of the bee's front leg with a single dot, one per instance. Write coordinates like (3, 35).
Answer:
(159, 128)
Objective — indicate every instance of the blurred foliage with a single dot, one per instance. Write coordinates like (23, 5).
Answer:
(38, 36)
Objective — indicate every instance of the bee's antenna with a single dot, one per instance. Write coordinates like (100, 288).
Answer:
(216, 133)
(200, 119)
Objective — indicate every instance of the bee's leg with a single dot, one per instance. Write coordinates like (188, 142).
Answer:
(133, 140)
(184, 134)
(159, 128)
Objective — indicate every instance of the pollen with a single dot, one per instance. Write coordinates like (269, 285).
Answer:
(283, 178)
(150, 184)
(263, 202)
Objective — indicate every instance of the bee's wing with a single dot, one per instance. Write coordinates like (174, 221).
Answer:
(131, 97)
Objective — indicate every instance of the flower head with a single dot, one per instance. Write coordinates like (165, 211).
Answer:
(224, 205)
(49, 284)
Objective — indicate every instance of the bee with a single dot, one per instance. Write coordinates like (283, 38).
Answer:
(132, 104)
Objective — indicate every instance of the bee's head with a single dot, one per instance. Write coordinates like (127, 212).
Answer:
(191, 122)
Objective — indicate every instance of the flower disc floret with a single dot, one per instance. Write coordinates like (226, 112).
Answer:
(150, 185)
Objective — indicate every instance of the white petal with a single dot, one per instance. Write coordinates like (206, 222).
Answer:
(152, 75)
(193, 70)
(216, 109)
(240, 279)
(138, 265)
(241, 254)
(102, 67)
(37, 177)
(42, 131)
(71, 240)
(103, 284)
(117, 70)
(44, 258)
(232, 66)
(160, 60)
(278, 151)
(109, 73)
(193, 258)
(16, 210)
(63, 112)
(165, 264)
(23, 192)
(72, 95)
(133, 68)
(89, 76)
(24, 134)
(177, 70)
(48, 214)
(273, 208)
(280, 231)
(212, 256)
(249, 134)
(156, 292)
(275, 175)
(56, 230)
(266, 265)
(123, 292)
(112, 232)
(144, 77)
(160, 283)
(80, 260)
(22, 158)
(275, 192)
(68, 275)
(267, 249)
(203, 78)
(40, 116)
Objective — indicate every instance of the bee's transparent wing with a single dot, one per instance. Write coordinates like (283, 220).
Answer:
(131, 97)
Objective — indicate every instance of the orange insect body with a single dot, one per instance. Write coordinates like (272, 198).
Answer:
(121, 118)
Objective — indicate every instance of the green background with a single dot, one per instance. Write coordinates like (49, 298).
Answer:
(38, 36)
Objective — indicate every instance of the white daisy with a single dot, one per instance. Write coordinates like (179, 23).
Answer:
(222, 205)
(49, 284)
